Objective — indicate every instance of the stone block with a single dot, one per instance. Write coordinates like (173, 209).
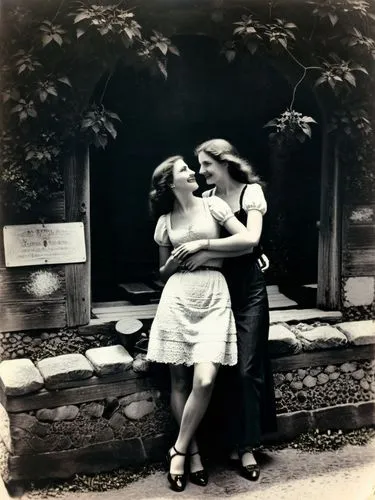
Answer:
(139, 409)
(62, 442)
(282, 341)
(140, 364)
(57, 414)
(19, 377)
(42, 445)
(94, 410)
(22, 421)
(139, 396)
(321, 337)
(5, 428)
(108, 360)
(155, 447)
(64, 368)
(117, 421)
(104, 435)
(359, 332)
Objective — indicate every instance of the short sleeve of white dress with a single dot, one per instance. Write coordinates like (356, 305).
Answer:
(219, 209)
(161, 233)
(254, 199)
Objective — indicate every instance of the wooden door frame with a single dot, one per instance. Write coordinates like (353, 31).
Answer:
(330, 225)
(77, 209)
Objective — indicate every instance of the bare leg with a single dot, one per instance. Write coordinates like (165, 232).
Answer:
(195, 408)
(181, 385)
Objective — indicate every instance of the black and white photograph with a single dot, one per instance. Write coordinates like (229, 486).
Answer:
(187, 249)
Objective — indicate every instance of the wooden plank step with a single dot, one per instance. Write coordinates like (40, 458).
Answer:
(281, 302)
(297, 315)
(277, 316)
(139, 293)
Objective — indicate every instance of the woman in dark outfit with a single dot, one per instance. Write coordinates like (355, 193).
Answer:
(253, 392)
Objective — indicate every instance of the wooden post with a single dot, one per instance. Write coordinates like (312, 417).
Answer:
(329, 254)
(77, 203)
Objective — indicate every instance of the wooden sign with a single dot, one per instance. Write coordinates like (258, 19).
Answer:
(38, 244)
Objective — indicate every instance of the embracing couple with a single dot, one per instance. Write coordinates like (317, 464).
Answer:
(214, 308)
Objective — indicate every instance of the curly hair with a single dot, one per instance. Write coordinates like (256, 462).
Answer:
(161, 196)
(223, 152)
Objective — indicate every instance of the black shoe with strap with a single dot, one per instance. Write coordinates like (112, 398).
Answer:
(177, 481)
(200, 477)
(250, 472)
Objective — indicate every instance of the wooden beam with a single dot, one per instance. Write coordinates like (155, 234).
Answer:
(323, 357)
(77, 203)
(94, 458)
(76, 395)
(329, 252)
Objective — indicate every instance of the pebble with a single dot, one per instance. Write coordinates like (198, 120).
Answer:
(289, 377)
(358, 374)
(365, 385)
(348, 367)
(278, 378)
(27, 339)
(302, 396)
(322, 378)
(334, 375)
(296, 385)
(44, 336)
(309, 381)
(315, 371)
(278, 394)
(301, 373)
(329, 369)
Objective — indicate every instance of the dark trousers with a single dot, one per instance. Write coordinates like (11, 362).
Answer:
(243, 403)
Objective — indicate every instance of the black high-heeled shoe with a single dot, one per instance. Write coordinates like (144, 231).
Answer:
(177, 481)
(200, 477)
(250, 472)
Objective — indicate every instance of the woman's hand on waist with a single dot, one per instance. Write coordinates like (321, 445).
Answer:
(198, 259)
(191, 247)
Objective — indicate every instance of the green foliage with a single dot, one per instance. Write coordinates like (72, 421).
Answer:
(54, 54)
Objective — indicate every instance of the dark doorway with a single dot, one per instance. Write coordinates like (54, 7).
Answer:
(203, 97)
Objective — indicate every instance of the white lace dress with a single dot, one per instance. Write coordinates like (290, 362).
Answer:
(194, 322)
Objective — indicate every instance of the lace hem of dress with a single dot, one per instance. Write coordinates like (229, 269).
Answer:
(185, 355)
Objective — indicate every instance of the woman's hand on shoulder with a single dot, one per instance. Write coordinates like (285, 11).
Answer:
(180, 253)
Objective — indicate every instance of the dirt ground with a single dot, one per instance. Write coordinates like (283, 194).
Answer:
(287, 474)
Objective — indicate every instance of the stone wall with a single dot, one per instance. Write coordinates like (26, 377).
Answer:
(103, 409)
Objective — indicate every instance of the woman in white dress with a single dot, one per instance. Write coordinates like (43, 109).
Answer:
(194, 324)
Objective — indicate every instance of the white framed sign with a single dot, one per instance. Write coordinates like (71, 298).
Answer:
(38, 244)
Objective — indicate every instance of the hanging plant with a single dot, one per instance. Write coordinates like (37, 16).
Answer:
(291, 124)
